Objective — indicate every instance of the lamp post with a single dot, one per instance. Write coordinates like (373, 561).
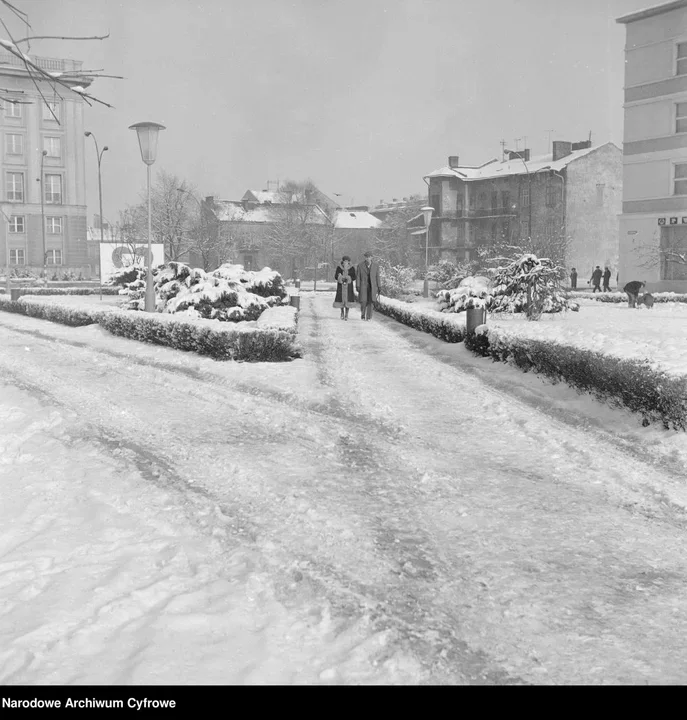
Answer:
(147, 141)
(99, 155)
(427, 212)
(45, 250)
(529, 187)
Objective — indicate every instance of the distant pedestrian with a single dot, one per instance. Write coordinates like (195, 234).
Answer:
(607, 280)
(595, 279)
(345, 281)
(573, 279)
(632, 290)
(368, 284)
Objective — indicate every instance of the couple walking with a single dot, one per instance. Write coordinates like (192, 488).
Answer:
(365, 277)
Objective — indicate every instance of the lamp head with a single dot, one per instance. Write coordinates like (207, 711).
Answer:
(88, 133)
(427, 212)
(147, 139)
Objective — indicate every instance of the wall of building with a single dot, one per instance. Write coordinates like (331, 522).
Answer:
(639, 252)
(34, 126)
(592, 211)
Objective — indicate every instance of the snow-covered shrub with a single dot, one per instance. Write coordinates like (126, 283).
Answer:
(283, 318)
(229, 294)
(449, 274)
(621, 297)
(394, 279)
(127, 275)
(54, 312)
(448, 328)
(633, 384)
(216, 340)
(107, 290)
(266, 283)
(531, 285)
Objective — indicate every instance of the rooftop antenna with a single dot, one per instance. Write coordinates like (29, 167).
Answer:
(517, 144)
(590, 137)
(503, 150)
(524, 142)
(550, 138)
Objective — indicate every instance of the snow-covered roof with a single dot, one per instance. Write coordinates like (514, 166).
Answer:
(262, 196)
(651, 11)
(516, 166)
(355, 219)
(234, 211)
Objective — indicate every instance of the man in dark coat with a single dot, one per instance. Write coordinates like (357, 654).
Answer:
(573, 279)
(595, 279)
(368, 284)
(607, 280)
(632, 290)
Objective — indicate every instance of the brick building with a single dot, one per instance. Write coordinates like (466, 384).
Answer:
(570, 196)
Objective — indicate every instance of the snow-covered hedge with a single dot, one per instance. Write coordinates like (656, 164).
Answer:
(54, 312)
(618, 297)
(447, 327)
(221, 341)
(633, 384)
(205, 337)
(107, 290)
(279, 318)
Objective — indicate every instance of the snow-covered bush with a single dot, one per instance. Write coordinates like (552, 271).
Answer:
(107, 290)
(621, 297)
(283, 318)
(531, 285)
(395, 280)
(449, 275)
(449, 328)
(229, 294)
(54, 312)
(472, 292)
(633, 384)
(219, 341)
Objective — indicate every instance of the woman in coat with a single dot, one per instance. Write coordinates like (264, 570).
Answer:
(345, 280)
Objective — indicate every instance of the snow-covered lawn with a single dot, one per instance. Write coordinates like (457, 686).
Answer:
(658, 334)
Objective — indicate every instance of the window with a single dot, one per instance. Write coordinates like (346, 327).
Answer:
(47, 107)
(552, 189)
(53, 257)
(524, 228)
(525, 195)
(600, 187)
(494, 231)
(680, 184)
(673, 245)
(681, 117)
(435, 202)
(17, 256)
(506, 230)
(551, 229)
(53, 145)
(505, 200)
(15, 187)
(14, 144)
(247, 262)
(12, 109)
(16, 224)
(53, 225)
(53, 189)
(681, 59)
(494, 200)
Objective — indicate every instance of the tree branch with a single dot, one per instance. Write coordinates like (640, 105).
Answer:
(60, 37)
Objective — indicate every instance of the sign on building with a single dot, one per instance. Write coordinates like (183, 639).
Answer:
(115, 257)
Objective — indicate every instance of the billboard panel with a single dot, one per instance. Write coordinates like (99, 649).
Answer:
(114, 256)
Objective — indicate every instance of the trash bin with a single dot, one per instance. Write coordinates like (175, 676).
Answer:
(295, 300)
(298, 284)
(475, 317)
(15, 294)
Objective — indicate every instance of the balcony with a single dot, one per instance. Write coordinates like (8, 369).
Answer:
(47, 64)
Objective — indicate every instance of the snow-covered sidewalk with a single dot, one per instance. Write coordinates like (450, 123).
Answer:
(386, 512)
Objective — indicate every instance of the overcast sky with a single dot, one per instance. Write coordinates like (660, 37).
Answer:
(362, 96)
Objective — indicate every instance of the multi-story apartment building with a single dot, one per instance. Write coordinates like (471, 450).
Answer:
(27, 129)
(653, 223)
(569, 198)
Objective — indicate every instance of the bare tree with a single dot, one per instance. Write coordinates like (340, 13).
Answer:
(47, 83)
(394, 242)
(127, 234)
(668, 253)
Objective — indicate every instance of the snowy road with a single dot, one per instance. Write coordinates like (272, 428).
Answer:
(368, 514)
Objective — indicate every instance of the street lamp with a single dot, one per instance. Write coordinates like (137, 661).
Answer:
(99, 155)
(45, 251)
(427, 212)
(147, 141)
(529, 187)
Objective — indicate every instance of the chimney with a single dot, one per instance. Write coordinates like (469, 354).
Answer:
(519, 155)
(453, 161)
(561, 149)
(584, 145)
(210, 200)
